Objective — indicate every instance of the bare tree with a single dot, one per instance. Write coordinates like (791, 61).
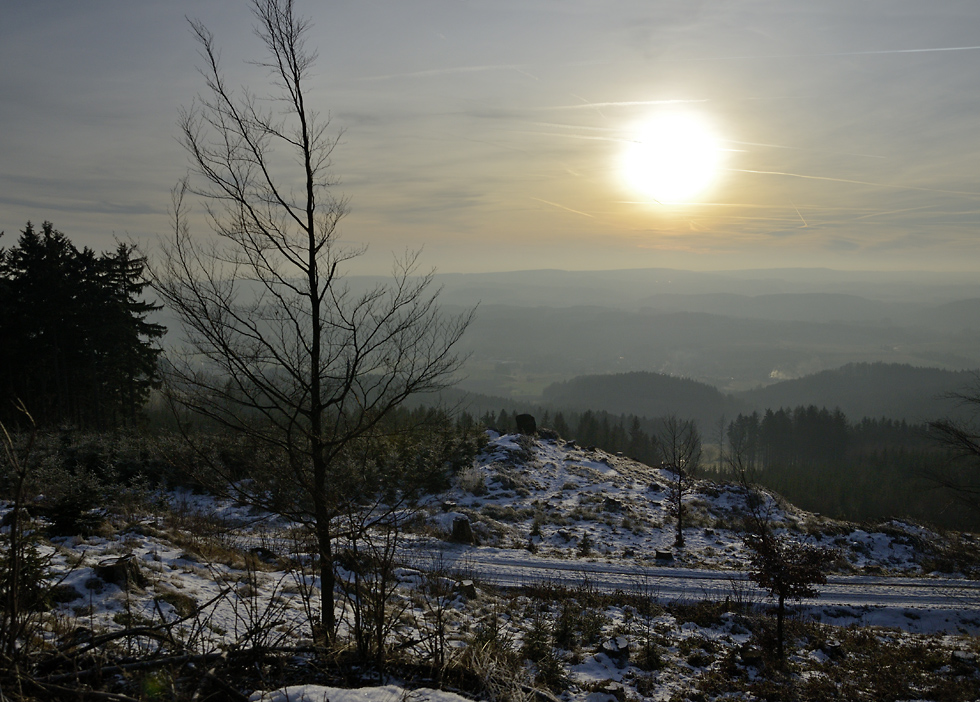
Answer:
(679, 442)
(278, 344)
(960, 475)
(15, 583)
(784, 567)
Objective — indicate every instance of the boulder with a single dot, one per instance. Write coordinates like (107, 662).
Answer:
(617, 650)
(750, 655)
(611, 504)
(526, 424)
(123, 571)
(615, 690)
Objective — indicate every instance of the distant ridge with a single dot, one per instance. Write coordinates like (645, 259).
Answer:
(643, 394)
(896, 391)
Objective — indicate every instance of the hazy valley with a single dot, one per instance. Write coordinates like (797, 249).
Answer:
(735, 330)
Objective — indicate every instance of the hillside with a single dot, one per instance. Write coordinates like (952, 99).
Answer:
(644, 395)
(896, 391)
(163, 586)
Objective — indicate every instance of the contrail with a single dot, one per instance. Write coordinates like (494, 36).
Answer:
(555, 204)
(448, 71)
(628, 103)
(841, 53)
(799, 148)
(586, 137)
(559, 125)
(891, 212)
(805, 225)
(746, 205)
(589, 103)
(856, 182)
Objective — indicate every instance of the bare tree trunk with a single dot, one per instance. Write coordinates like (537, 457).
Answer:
(12, 624)
(679, 509)
(780, 613)
(324, 542)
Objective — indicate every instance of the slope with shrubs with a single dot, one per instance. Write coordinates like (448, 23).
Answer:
(171, 594)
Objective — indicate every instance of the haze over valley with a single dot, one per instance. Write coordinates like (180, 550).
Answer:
(735, 330)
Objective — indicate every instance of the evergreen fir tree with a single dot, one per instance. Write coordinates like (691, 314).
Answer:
(77, 347)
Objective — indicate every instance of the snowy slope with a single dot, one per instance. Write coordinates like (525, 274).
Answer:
(548, 496)
(219, 575)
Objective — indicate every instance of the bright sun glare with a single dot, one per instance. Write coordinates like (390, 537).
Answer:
(672, 158)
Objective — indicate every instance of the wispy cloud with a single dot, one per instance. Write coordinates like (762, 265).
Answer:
(857, 182)
(432, 72)
(586, 137)
(624, 103)
(832, 54)
(799, 148)
(562, 207)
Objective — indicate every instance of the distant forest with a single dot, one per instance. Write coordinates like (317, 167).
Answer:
(893, 390)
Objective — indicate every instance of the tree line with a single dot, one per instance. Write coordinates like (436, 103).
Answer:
(871, 469)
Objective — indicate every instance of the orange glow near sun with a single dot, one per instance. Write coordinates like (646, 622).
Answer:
(672, 158)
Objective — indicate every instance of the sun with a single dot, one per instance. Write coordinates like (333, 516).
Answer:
(672, 158)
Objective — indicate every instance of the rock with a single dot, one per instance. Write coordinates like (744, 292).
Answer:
(123, 571)
(264, 554)
(526, 424)
(611, 504)
(617, 650)
(615, 690)
(832, 649)
(462, 531)
(750, 655)
(964, 662)
(63, 593)
(664, 556)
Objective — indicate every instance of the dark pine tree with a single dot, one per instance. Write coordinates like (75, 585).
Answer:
(77, 347)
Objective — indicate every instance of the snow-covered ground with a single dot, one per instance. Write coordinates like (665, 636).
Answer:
(228, 575)
(552, 497)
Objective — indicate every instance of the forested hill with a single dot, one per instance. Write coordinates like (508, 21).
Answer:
(644, 395)
(891, 390)
(895, 391)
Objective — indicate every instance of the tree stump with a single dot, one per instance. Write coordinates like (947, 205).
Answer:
(123, 571)
(462, 531)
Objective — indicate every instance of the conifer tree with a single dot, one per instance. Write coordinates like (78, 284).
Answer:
(77, 348)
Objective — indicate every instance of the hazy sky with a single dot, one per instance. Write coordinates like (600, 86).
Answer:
(492, 132)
